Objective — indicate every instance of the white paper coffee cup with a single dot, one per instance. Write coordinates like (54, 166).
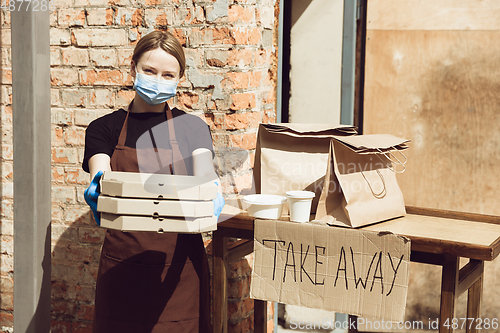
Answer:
(300, 205)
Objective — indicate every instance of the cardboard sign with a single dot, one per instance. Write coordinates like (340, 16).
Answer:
(331, 268)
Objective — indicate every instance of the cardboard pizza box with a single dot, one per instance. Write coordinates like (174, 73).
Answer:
(157, 186)
(155, 207)
(145, 223)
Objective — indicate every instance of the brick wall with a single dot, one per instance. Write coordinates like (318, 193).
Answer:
(230, 82)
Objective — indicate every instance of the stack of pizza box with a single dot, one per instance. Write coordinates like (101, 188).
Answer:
(157, 202)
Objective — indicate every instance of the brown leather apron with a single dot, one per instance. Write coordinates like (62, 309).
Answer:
(147, 281)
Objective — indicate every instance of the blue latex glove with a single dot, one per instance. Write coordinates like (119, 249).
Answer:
(91, 194)
(219, 203)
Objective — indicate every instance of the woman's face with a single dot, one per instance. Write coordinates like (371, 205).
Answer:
(158, 64)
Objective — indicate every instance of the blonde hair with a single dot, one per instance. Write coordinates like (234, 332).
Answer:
(164, 40)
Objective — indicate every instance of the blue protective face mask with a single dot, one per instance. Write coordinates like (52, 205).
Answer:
(154, 91)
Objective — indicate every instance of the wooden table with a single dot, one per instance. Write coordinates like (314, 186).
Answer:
(437, 237)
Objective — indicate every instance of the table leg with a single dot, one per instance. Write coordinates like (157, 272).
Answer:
(449, 285)
(219, 306)
(260, 316)
(474, 305)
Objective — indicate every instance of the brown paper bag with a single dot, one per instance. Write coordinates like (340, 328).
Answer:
(360, 187)
(294, 157)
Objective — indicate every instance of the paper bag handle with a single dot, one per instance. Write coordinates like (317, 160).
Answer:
(396, 162)
(383, 192)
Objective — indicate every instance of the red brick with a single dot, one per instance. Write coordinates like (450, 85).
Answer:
(99, 37)
(77, 213)
(75, 57)
(120, 3)
(5, 94)
(182, 15)
(103, 57)
(262, 57)
(242, 325)
(85, 293)
(97, 16)
(269, 117)
(235, 80)
(7, 171)
(90, 235)
(57, 136)
(74, 136)
(255, 79)
(58, 326)
(6, 115)
(57, 214)
(63, 194)
(213, 120)
(64, 155)
(124, 97)
(104, 77)
(239, 269)
(239, 13)
(85, 312)
(217, 58)
(61, 117)
(7, 152)
(6, 76)
(6, 319)
(59, 290)
(180, 35)
(238, 289)
(7, 263)
(270, 325)
(57, 36)
(270, 98)
(223, 36)
(82, 328)
(58, 175)
(74, 97)
(198, 15)
(237, 121)
(55, 98)
(7, 302)
(254, 36)
(125, 56)
(55, 58)
(188, 100)
(130, 17)
(7, 213)
(68, 17)
(243, 182)
(102, 98)
(242, 101)
(5, 17)
(5, 38)
(62, 309)
(159, 17)
(76, 176)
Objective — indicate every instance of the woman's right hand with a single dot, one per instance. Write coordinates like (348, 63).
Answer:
(91, 194)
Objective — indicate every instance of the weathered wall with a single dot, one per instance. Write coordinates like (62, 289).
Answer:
(230, 82)
(433, 77)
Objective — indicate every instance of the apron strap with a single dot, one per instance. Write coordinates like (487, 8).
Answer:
(123, 132)
(177, 159)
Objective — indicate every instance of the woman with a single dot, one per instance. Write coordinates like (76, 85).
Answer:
(150, 282)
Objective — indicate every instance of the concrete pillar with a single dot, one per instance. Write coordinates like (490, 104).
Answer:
(32, 169)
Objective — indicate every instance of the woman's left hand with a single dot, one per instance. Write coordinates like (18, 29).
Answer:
(91, 194)
(219, 203)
